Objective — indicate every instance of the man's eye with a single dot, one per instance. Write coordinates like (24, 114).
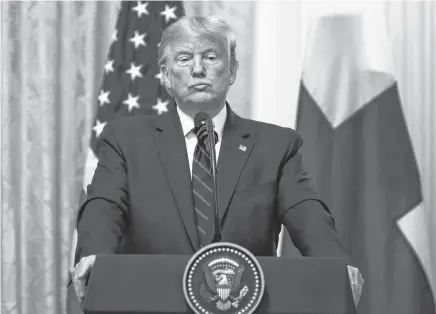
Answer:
(211, 57)
(182, 58)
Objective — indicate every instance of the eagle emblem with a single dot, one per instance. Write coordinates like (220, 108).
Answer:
(223, 278)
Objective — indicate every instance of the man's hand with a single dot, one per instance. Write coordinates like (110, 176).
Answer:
(356, 281)
(80, 274)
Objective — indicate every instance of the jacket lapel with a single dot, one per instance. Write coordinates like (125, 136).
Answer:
(236, 146)
(170, 143)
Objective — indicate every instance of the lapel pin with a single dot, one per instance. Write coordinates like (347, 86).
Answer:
(242, 147)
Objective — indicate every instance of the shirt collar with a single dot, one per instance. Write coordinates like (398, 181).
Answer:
(218, 121)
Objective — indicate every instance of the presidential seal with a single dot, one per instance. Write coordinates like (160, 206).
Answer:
(223, 278)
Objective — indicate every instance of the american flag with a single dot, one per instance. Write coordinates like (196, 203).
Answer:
(131, 83)
(132, 80)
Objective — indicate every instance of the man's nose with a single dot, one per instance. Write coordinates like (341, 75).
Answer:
(198, 68)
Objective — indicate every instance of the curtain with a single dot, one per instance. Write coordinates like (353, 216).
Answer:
(52, 57)
(412, 29)
(52, 60)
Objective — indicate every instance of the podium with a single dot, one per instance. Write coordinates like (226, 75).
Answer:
(141, 284)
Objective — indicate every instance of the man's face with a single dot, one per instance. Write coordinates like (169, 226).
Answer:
(198, 71)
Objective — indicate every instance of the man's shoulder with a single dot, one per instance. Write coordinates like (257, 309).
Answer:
(270, 130)
(132, 123)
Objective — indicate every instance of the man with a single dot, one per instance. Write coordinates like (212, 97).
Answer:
(149, 194)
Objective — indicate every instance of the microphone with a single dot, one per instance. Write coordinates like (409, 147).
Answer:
(203, 126)
(207, 138)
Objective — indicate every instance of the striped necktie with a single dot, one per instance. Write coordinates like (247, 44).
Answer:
(203, 194)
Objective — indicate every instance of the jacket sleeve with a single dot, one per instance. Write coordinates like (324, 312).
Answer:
(102, 218)
(306, 217)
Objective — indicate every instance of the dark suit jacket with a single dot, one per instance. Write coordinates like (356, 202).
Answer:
(141, 191)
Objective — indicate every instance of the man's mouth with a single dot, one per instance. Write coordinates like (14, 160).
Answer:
(200, 86)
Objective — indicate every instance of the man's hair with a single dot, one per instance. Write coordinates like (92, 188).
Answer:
(210, 25)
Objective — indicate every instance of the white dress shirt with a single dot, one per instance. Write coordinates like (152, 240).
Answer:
(191, 139)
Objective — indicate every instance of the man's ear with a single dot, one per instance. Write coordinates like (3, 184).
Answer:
(233, 71)
(165, 80)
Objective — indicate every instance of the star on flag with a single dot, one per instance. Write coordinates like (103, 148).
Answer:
(98, 127)
(131, 102)
(134, 71)
(109, 66)
(161, 106)
(138, 40)
(103, 98)
(114, 35)
(141, 8)
(169, 13)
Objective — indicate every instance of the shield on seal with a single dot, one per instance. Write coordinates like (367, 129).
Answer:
(223, 278)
